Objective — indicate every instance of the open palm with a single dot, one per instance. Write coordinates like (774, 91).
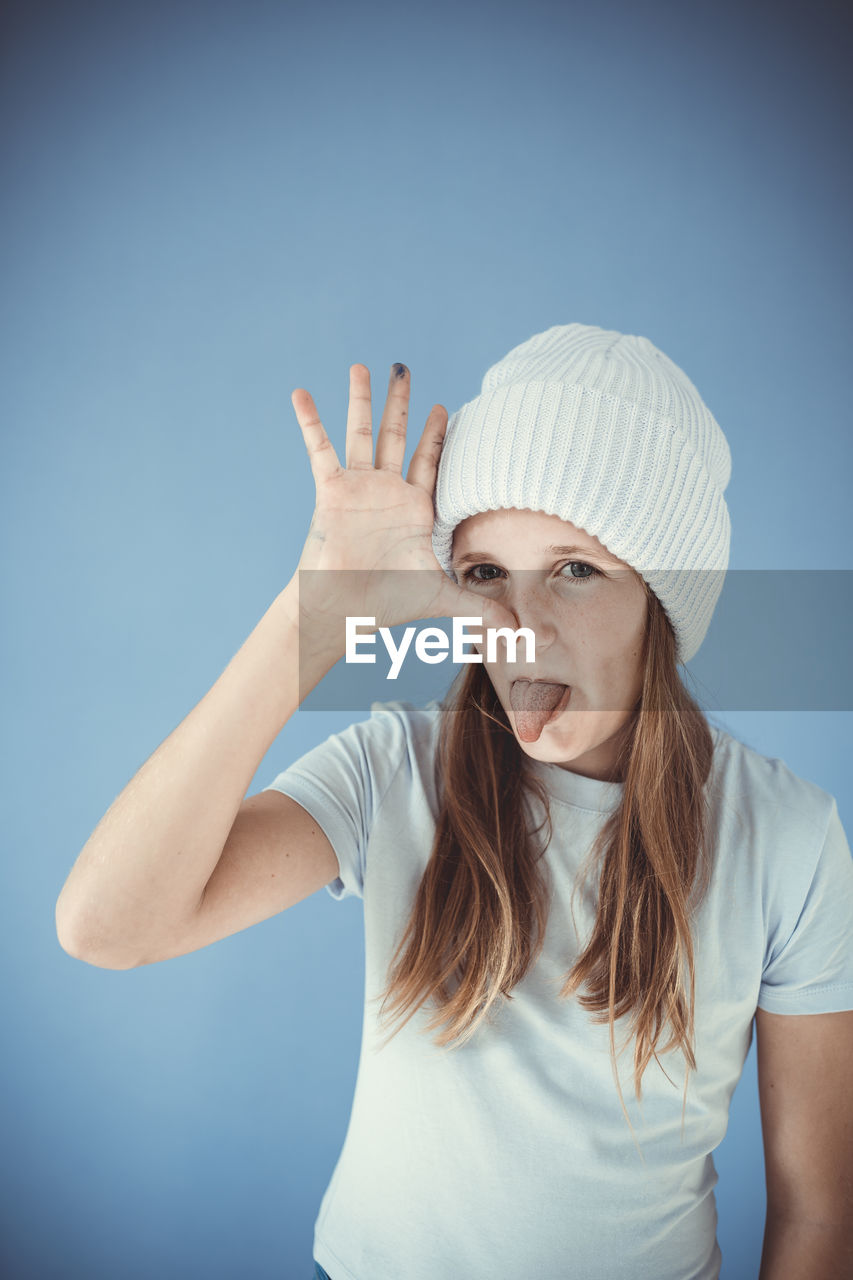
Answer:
(369, 547)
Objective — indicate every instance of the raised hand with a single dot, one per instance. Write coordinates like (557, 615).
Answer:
(370, 538)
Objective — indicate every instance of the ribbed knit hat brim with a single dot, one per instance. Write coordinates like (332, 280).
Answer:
(604, 431)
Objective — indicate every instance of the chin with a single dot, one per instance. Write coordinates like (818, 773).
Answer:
(547, 754)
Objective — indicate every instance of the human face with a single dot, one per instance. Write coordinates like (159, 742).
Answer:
(589, 628)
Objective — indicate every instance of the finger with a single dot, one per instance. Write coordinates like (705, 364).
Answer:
(457, 602)
(321, 452)
(392, 430)
(359, 448)
(423, 467)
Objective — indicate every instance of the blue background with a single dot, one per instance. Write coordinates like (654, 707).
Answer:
(204, 207)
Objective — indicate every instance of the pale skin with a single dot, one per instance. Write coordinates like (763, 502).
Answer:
(587, 610)
(589, 635)
(249, 857)
(807, 1127)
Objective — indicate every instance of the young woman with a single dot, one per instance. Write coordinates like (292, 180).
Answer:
(562, 849)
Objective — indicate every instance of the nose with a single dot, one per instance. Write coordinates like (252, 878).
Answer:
(531, 606)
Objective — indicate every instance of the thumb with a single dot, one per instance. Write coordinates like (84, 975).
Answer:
(497, 615)
(468, 604)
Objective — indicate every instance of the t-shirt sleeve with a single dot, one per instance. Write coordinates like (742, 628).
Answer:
(341, 782)
(809, 963)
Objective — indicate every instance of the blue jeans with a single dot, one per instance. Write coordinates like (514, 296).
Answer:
(319, 1273)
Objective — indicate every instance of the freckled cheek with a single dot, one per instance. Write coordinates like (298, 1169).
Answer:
(605, 645)
(592, 633)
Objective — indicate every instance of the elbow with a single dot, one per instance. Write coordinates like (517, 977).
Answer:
(80, 946)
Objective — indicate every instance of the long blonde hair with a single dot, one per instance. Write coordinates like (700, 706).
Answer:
(479, 915)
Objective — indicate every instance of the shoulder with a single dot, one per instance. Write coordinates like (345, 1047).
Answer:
(404, 724)
(764, 793)
(409, 718)
(398, 746)
(399, 738)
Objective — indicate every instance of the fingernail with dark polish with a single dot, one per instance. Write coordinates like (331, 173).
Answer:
(400, 370)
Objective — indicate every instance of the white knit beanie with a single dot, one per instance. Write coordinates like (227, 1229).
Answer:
(603, 430)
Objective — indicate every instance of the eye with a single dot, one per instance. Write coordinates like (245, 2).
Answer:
(470, 576)
(588, 572)
(581, 564)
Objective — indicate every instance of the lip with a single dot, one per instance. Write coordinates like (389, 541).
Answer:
(539, 680)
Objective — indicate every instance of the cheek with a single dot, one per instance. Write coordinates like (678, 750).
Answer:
(607, 641)
(596, 630)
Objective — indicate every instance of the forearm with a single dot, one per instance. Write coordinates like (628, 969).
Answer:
(144, 868)
(799, 1249)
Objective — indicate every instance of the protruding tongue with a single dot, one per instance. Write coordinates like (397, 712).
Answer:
(532, 702)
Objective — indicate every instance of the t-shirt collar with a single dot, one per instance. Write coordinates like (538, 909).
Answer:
(576, 789)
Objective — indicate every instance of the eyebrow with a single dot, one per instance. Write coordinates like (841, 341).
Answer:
(479, 557)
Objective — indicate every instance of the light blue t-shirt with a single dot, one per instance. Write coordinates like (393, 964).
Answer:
(510, 1155)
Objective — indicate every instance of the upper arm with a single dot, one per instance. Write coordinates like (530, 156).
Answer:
(276, 854)
(807, 1113)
